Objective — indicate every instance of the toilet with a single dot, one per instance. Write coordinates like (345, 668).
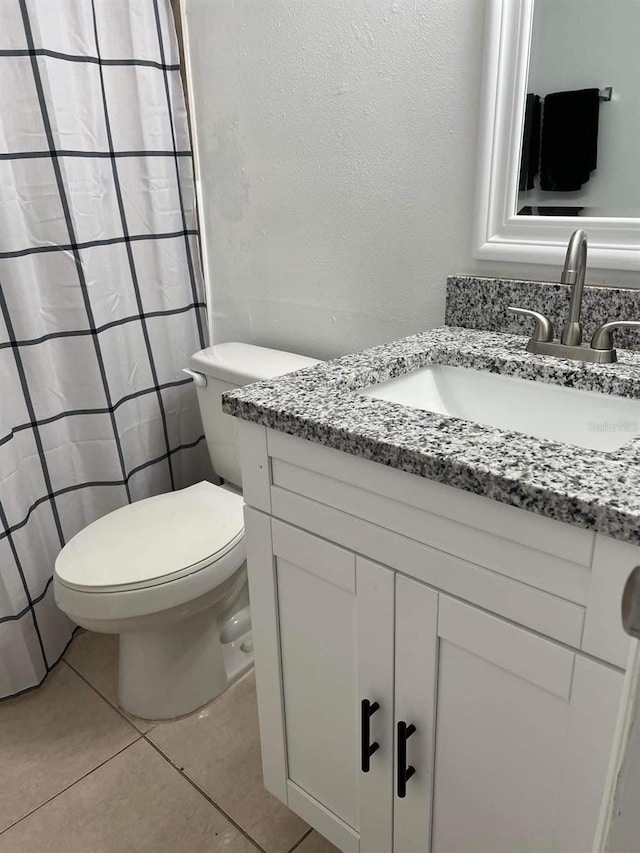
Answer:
(168, 573)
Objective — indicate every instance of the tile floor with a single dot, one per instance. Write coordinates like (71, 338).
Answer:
(78, 774)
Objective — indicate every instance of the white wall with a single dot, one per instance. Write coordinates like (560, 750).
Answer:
(601, 38)
(337, 153)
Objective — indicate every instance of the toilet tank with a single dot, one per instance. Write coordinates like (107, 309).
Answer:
(227, 366)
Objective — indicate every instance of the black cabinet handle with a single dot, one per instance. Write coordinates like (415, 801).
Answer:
(367, 710)
(404, 772)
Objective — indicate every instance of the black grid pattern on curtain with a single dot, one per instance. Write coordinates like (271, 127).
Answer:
(148, 329)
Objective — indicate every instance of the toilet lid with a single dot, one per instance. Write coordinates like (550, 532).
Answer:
(154, 540)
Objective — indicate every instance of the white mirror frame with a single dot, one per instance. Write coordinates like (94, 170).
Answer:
(614, 242)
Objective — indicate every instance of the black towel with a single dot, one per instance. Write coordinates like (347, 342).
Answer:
(569, 149)
(530, 161)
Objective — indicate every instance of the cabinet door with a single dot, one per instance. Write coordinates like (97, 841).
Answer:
(333, 647)
(512, 732)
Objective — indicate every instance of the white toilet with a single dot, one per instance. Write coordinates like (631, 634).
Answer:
(168, 573)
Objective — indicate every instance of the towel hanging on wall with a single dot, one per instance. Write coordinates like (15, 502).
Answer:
(530, 161)
(569, 150)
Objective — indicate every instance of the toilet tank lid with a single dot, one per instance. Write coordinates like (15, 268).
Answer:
(240, 364)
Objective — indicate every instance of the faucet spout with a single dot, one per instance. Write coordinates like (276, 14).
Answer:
(575, 265)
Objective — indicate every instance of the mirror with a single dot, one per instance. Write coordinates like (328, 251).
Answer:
(581, 130)
(560, 131)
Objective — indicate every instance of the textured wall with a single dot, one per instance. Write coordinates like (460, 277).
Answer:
(337, 145)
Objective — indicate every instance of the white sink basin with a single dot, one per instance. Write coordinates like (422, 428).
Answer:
(583, 418)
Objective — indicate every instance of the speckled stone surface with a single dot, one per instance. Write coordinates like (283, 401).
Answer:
(481, 303)
(590, 489)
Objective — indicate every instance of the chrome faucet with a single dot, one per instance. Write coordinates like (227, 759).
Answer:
(601, 349)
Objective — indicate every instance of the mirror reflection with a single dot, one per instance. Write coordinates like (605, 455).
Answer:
(580, 152)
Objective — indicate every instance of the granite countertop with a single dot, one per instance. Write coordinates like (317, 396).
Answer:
(596, 490)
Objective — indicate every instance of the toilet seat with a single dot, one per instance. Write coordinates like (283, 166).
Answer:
(203, 564)
(155, 541)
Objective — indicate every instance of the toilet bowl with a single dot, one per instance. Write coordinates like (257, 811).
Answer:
(165, 574)
(168, 573)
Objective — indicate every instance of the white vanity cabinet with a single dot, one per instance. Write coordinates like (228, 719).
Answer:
(513, 732)
(324, 641)
(478, 637)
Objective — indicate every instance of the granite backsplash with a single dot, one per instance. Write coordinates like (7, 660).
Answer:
(481, 303)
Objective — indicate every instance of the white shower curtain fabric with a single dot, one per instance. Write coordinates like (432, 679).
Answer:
(101, 295)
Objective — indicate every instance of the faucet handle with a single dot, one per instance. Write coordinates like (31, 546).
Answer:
(603, 337)
(543, 330)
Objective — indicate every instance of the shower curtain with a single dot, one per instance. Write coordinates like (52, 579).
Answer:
(101, 297)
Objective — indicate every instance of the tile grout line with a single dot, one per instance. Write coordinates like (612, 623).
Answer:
(63, 661)
(142, 736)
(203, 794)
(172, 764)
(70, 785)
(111, 704)
(298, 843)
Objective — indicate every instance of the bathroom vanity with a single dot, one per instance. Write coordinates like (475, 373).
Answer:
(436, 602)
